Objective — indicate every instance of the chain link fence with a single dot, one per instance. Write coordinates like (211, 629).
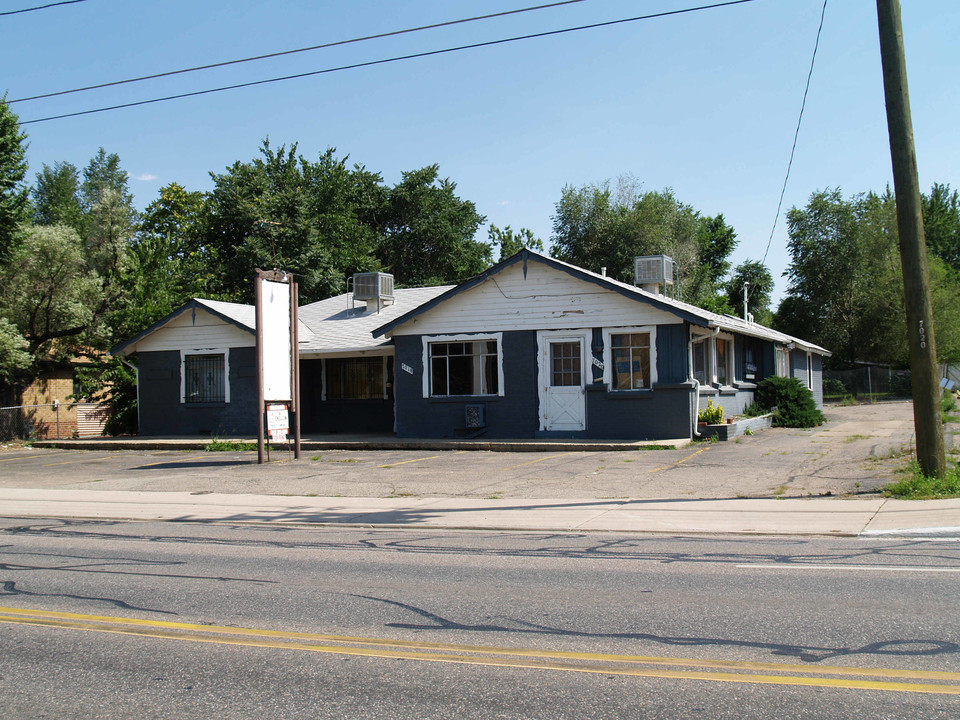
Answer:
(35, 422)
(868, 383)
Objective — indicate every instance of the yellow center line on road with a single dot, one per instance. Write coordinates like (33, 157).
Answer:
(432, 457)
(75, 462)
(678, 462)
(532, 462)
(30, 457)
(628, 665)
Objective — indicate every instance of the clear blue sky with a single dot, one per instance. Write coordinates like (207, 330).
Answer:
(705, 103)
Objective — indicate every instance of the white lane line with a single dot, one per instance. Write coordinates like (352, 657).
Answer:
(877, 568)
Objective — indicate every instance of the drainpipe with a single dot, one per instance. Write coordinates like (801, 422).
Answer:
(136, 375)
(696, 383)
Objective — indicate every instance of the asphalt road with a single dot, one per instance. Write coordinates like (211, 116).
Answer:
(123, 619)
(859, 449)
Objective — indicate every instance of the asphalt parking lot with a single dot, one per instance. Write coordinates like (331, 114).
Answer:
(858, 450)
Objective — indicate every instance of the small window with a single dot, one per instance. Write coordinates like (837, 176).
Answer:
(810, 370)
(565, 364)
(464, 368)
(783, 361)
(723, 357)
(360, 378)
(204, 379)
(700, 362)
(631, 361)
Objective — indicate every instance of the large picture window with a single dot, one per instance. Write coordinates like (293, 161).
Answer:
(204, 378)
(631, 361)
(357, 378)
(468, 367)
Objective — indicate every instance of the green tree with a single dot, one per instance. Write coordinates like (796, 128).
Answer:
(14, 195)
(846, 283)
(941, 224)
(761, 285)
(595, 226)
(51, 295)
(15, 361)
(510, 242)
(429, 232)
(318, 220)
(56, 196)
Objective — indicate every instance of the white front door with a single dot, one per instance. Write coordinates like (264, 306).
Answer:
(562, 395)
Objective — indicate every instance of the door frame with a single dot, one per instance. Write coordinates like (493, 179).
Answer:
(544, 338)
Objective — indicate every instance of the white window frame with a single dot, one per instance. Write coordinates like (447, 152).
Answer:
(608, 334)
(710, 358)
(463, 337)
(782, 361)
(810, 370)
(204, 351)
(731, 365)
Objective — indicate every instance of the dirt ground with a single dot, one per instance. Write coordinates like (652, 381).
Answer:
(859, 449)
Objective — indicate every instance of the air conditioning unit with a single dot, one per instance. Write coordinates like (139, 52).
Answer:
(652, 271)
(372, 286)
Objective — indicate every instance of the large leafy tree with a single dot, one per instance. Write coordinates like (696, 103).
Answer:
(846, 284)
(596, 226)
(430, 231)
(14, 194)
(315, 219)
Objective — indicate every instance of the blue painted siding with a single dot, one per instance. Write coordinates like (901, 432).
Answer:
(162, 413)
(513, 415)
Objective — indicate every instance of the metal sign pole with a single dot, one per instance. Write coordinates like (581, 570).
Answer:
(295, 369)
(258, 295)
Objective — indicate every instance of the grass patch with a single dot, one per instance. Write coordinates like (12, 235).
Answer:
(918, 486)
(948, 405)
(654, 447)
(848, 401)
(854, 438)
(228, 446)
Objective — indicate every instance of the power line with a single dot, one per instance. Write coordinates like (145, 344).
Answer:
(796, 134)
(292, 52)
(41, 7)
(370, 63)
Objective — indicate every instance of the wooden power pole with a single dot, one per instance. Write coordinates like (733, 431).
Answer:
(913, 246)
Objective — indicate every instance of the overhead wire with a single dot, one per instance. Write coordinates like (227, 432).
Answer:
(411, 56)
(267, 56)
(796, 134)
(41, 7)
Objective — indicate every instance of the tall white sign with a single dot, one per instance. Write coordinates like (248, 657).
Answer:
(277, 353)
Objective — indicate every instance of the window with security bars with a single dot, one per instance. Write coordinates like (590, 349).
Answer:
(204, 378)
(355, 378)
(565, 364)
(464, 368)
(631, 361)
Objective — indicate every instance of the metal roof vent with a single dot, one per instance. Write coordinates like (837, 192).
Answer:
(650, 272)
(375, 288)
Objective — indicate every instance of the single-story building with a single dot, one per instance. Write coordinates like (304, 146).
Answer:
(532, 347)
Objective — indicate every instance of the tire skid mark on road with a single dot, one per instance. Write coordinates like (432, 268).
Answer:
(948, 683)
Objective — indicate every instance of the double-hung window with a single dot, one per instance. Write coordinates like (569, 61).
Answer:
(723, 360)
(464, 367)
(630, 361)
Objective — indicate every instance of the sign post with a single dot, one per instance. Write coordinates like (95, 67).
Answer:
(278, 360)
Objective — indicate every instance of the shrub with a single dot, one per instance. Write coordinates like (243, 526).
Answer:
(834, 386)
(711, 414)
(792, 399)
(920, 487)
(754, 410)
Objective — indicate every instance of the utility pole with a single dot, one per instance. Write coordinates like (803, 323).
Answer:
(913, 246)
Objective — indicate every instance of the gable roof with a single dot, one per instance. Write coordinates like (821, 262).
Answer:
(239, 315)
(686, 311)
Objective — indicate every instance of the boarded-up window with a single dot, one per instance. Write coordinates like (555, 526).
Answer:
(359, 378)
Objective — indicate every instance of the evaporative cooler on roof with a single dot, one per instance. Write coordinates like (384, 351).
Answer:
(653, 272)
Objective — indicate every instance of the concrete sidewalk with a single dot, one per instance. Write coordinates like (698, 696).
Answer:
(798, 516)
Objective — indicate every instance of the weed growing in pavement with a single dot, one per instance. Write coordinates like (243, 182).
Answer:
(854, 438)
(848, 401)
(918, 486)
(217, 445)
